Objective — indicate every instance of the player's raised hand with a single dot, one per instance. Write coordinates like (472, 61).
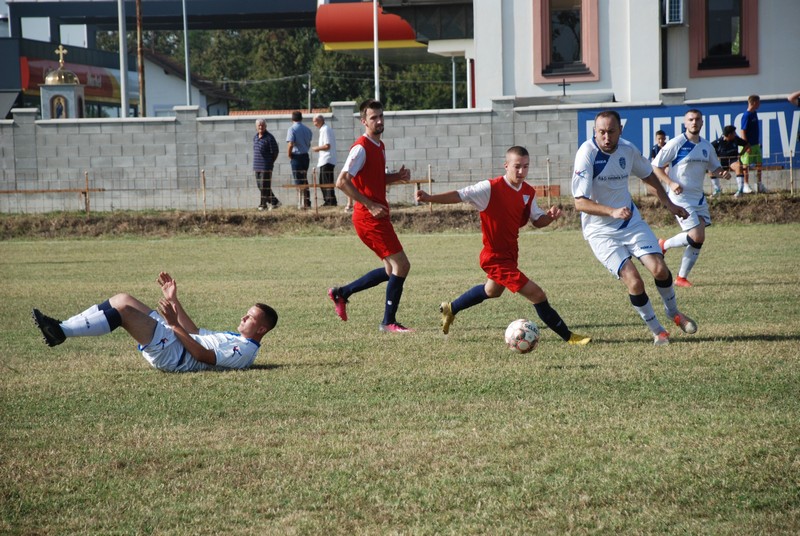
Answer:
(167, 310)
(422, 196)
(169, 287)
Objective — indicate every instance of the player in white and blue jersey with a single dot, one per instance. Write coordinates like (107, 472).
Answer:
(613, 225)
(688, 157)
(168, 339)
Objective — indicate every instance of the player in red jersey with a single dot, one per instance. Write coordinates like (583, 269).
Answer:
(364, 179)
(506, 204)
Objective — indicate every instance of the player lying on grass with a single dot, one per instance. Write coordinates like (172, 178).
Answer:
(506, 203)
(168, 339)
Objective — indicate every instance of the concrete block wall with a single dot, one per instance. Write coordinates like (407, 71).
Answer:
(159, 163)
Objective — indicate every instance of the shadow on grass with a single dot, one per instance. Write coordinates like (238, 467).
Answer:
(330, 364)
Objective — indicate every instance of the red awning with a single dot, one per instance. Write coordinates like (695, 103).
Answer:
(350, 26)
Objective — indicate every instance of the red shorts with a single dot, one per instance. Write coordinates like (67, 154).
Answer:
(377, 234)
(504, 272)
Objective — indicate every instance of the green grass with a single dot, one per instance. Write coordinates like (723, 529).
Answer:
(339, 429)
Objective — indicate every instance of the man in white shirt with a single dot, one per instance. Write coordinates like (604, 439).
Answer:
(688, 157)
(168, 339)
(613, 225)
(326, 147)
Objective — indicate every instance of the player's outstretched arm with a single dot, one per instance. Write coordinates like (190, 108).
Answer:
(402, 175)
(447, 198)
(552, 214)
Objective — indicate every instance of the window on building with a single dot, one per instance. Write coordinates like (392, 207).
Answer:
(724, 37)
(565, 40)
(565, 37)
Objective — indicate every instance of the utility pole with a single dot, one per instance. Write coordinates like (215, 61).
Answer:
(140, 60)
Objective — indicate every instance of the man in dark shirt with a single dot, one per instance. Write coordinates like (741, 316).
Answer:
(265, 152)
(728, 147)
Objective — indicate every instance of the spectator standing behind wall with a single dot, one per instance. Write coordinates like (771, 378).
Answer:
(265, 152)
(299, 143)
(327, 160)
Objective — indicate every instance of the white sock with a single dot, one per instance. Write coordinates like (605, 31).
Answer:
(678, 241)
(715, 182)
(670, 302)
(86, 325)
(649, 316)
(739, 183)
(687, 263)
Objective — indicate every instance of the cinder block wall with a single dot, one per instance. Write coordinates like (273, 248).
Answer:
(160, 163)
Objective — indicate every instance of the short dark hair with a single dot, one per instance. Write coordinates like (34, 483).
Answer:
(270, 315)
(727, 130)
(517, 150)
(369, 104)
(753, 99)
(661, 133)
(609, 113)
(693, 111)
(297, 116)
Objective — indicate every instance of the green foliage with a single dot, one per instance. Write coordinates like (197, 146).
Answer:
(270, 69)
(340, 429)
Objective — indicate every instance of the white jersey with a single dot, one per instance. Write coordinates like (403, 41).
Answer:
(326, 137)
(233, 351)
(688, 163)
(165, 352)
(478, 196)
(603, 178)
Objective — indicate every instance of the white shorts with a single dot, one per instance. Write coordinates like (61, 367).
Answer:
(165, 352)
(696, 213)
(613, 248)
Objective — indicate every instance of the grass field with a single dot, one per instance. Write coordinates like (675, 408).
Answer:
(339, 429)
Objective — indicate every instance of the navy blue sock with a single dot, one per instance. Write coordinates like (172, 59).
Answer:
(473, 296)
(113, 318)
(551, 318)
(394, 291)
(368, 280)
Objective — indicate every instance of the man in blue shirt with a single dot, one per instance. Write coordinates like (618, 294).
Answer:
(751, 133)
(299, 139)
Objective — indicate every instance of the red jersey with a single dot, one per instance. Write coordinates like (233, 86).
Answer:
(507, 212)
(371, 179)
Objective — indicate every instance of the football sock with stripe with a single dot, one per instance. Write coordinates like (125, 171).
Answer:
(94, 321)
(394, 291)
(677, 241)
(644, 307)
(366, 281)
(690, 255)
(667, 292)
(470, 298)
(551, 318)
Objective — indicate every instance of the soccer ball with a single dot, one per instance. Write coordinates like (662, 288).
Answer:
(522, 336)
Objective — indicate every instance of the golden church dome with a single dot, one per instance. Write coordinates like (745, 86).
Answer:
(61, 76)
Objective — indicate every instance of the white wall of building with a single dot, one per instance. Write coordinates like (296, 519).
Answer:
(630, 54)
(165, 91)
